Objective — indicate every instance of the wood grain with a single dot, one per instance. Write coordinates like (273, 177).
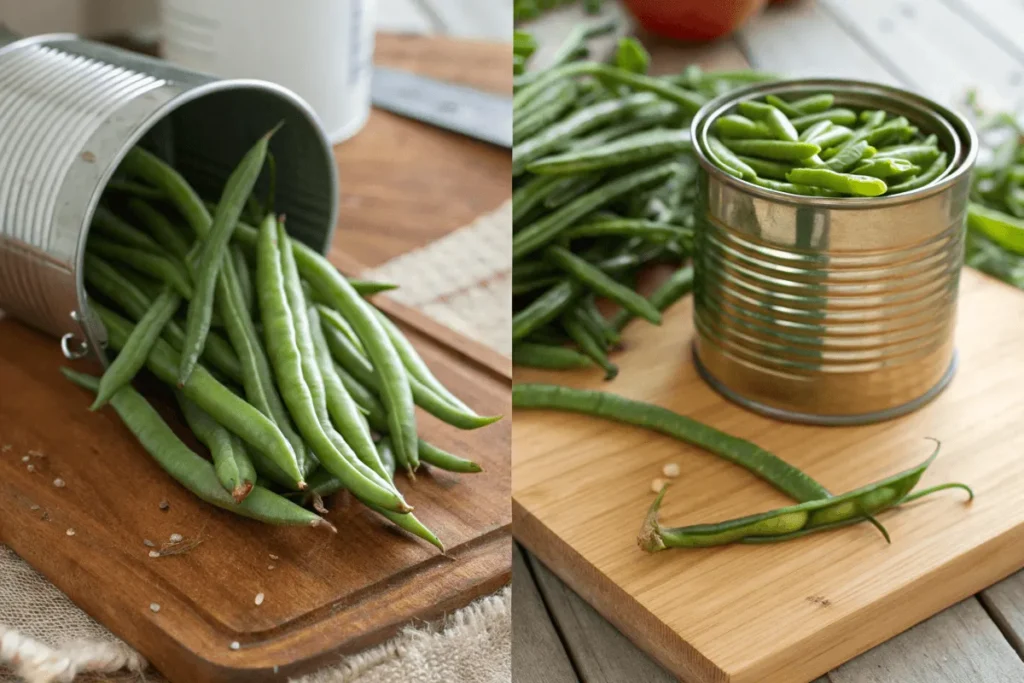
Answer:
(404, 183)
(581, 488)
(1005, 604)
(537, 653)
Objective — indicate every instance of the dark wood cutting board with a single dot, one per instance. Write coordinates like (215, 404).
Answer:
(325, 594)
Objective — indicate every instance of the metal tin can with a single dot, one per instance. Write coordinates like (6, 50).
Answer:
(70, 109)
(826, 310)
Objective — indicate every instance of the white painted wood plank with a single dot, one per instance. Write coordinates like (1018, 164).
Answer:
(476, 19)
(1005, 603)
(553, 27)
(402, 16)
(537, 653)
(601, 653)
(959, 645)
(799, 39)
(937, 51)
(999, 18)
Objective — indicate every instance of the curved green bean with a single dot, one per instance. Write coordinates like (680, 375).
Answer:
(156, 266)
(588, 342)
(678, 285)
(776, 150)
(118, 230)
(166, 234)
(740, 127)
(628, 227)
(859, 186)
(530, 355)
(937, 168)
(632, 149)
(231, 463)
(594, 279)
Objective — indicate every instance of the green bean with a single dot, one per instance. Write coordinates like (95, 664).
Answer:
(843, 117)
(166, 234)
(576, 40)
(859, 186)
(410, 523)
(589, 343)
(432, 455)
(189, 469)
(367, 401)
(638, 148)
(244, 276)
(386, 455)
(134, 189)
(810, 133)
(795, 188)
(531, 194)
(727, 160)
(919, 155)
(548, 228)
(768, 169)
(257, 377)
(538, 118)
(778, 473)
(628, 227)
(780, 126)
(783, 106)
(349, 358)
(146, 165)
(578, 123)
(596, 324)
(813, 103)
(643, 119)
(231, 463)
(870, 120)
(678, 285)
(689, 102)
(1004, 230)
(395, 390)
(740, 127)
(597, 281)
(886, 168)
(105, 279)
(937, 168)
(137, 347)
(545, 308)
(789, 522)
(344, 412)
(754, 110)
(894, 131)
(154, 265)
(200, 310)
(209, 394)
(570, 188)
(836, 135)
(776, 150)
(531, 355)
(298, 378)
(414, 363)
(850, 157)
(112, 226)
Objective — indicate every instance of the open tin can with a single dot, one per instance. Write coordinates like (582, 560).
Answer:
(70, 109)
(828, 310)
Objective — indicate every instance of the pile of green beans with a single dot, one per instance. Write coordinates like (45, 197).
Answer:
(808, 146)
(604, 190)
(524, 10)
(816, 509)
(297, 385)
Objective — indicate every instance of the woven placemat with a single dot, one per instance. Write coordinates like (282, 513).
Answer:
(464, 282)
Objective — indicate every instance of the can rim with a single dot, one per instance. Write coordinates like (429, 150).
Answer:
(959, 166)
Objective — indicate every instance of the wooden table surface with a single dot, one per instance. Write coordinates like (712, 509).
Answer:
(940, 48)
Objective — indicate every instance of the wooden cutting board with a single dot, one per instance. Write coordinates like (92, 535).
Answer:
(403, 185)
(789, 612)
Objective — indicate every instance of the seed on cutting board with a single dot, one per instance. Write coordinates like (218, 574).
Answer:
(270, 567)
(154, 553)
(164, 505)
(59, 483)
(36, 454)
(670, 470)
(259, 599)
(154, 607)
(6, 447)
(70, 532)
(148, 543)
(176, 538)
(25, 458)
(657, 485)
(274, 557)
(31, 468)
(33, 507)
(235, 645)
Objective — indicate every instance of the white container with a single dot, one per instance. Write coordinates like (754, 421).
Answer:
(322, 50)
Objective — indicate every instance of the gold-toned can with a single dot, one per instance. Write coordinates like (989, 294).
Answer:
(831, 310)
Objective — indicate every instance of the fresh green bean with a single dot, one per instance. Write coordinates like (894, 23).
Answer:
(886, 168)
(795, 188)
(154, 265)
(297, 376)
(858, 186)
(189, 469)
(638, 148)
(115, 228)
(919, 155)
(850, 157)
(780, 126)
(588, 342)
(776, 150)
(814, 103)
(531, 355)
(545, 308)
(386, 455)
(209, 394)
(571, 187)
(133, 189)
(532, 194)
(740, 127)
(937, 168)
(442, 460)
(809, 134)
(1004, 230)
(835, 135)
(244, 275)
(678, 285)
(531, 122)
(548, 228)
(627, 227)
(166, 234)
(200, 310)
(234, 469)
(778, 473)
(596, 323)
(727, 160)
(594, 279)
(842, 117)
(768, 169)
(783, 106)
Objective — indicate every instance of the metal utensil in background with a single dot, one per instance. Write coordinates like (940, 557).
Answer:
(477, 114)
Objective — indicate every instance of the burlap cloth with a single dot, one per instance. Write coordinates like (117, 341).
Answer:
(463, 281)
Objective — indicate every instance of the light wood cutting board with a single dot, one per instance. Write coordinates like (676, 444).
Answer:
(789, 612)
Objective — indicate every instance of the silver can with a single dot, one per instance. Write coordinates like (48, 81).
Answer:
(70, 109)
(824, 310)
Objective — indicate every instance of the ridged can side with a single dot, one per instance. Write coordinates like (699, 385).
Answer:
(830, 310)
(71, 109)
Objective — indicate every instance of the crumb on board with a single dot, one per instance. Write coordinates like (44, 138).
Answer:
(70, 532)
(6, 447)
(25, 458)
(176, 538)
(31, 468)
(270, 567)
(154, 553)
(274, 557)
(259, 599)
(657, 485)
(164, 505)
(33, 507)
(37, 454)
(59, 483)
(670, 470)
(154, 607)
(235, 645)
(148, 543)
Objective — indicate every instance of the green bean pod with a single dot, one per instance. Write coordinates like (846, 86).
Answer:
(545, 308)
(858, 186)
(589, 343)
(189, 469)
(531, 355)
(886, 168)
(231, 463)
(113, 227)
(628, 227)
(850, 157)
(200, 310)
(633, 149)
(678, 285)
(839, 116)
(776, 150)
(937, 168)
(740, 127)
(728, 160)
(168, 271)
(443, 460)
(595, 280)
(166, 234)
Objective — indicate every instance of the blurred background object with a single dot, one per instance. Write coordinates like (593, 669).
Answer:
(136, 20)
(693, 20)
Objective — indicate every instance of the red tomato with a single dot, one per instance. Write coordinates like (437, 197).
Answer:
(693, 19)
